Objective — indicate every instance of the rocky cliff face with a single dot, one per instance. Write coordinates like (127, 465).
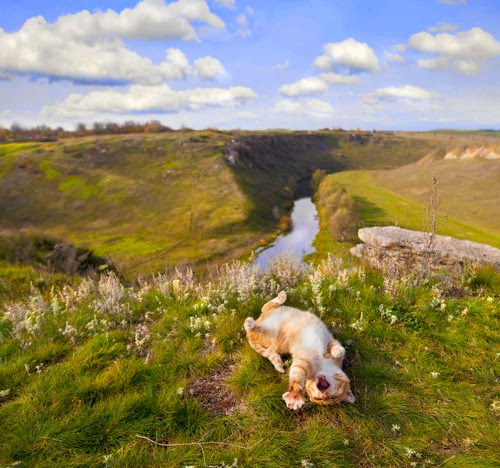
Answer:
(404, 245)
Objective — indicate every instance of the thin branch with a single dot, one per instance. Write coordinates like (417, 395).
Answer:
(199, 444)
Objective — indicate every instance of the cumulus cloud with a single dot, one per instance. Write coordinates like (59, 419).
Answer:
(140, 98)
(403, 93)
(87, 46)
(305, 87)
(315, 108)
(350, 53)
(207, 68)
(316, 84)
(464, 52)
(149, 19)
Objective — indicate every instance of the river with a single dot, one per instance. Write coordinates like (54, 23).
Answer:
(297, 242)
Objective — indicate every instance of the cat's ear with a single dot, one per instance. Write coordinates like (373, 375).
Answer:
(349, 397)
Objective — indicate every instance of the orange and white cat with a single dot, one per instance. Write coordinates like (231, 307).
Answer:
(316, 356)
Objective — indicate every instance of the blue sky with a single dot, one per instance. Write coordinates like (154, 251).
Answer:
(388, 64)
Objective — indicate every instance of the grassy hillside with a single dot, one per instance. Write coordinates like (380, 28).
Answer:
(98, 374)
(151, 202)
(468, 190)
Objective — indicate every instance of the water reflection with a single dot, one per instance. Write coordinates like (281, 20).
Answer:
(297, 242)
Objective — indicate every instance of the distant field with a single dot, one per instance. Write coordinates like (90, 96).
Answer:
(468, 189)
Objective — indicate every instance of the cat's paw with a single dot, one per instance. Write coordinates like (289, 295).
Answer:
(337, 351)
(249, 323)
(279, 367)
(294, 400)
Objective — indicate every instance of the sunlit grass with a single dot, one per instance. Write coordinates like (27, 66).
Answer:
(87, 368)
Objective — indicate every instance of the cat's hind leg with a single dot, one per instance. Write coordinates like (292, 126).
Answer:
(255, 338)
(278, 301)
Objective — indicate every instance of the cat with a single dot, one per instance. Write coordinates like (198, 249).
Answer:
(316, 356)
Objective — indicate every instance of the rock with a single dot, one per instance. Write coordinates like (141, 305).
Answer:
(394, 241)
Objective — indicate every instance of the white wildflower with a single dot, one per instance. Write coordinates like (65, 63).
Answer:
(346, 442)
(180, 391)
(409, 452)
(4, 393)
(435, 375)
(395, 428)
(358, 324)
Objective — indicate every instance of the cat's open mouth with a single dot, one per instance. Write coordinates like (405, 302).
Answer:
(322, 384)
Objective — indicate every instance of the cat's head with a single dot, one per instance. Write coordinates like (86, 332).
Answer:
(329, 388)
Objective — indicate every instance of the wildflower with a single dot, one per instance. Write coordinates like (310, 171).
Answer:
(495, 406)
(464, 312)
(358, 324)
(4, 393)
(395, 428)
(435, 375)
(180, 391)
(450, 318)
(409, 452)
(306, 464)
(346, 442)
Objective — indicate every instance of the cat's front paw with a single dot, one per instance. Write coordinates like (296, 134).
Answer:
(294, 400)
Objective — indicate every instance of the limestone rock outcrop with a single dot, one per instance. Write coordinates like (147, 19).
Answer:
(395, 242)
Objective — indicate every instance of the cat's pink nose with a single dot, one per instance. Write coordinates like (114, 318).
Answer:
(322, 384)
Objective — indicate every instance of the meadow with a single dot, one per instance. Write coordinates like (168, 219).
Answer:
(156, 370)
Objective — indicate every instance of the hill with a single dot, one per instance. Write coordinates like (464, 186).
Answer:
(150, 202)
(466, 186)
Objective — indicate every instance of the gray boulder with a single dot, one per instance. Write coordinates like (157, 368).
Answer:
(392, 241)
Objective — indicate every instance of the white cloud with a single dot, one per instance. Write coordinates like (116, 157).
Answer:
(86, 46)
(350, 53)
(443, 27)
(304, 87)
(140, 98)
(243, 28)
(337, 78)
(314, 108)
(392, 57)
(149, 19)
(464, 52)
(403, 93)
(399, 47)
(227, 3)
(207, 68)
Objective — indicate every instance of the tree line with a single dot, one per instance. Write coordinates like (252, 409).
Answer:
(19, 133)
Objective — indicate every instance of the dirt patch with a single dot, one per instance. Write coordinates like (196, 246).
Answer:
(213, 393)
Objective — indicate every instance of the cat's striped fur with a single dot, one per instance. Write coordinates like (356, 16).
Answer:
(316, 356)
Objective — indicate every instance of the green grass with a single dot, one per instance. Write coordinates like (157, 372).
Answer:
(107, 363)
(396, 198)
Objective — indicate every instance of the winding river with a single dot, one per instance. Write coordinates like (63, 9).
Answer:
(298, 242)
